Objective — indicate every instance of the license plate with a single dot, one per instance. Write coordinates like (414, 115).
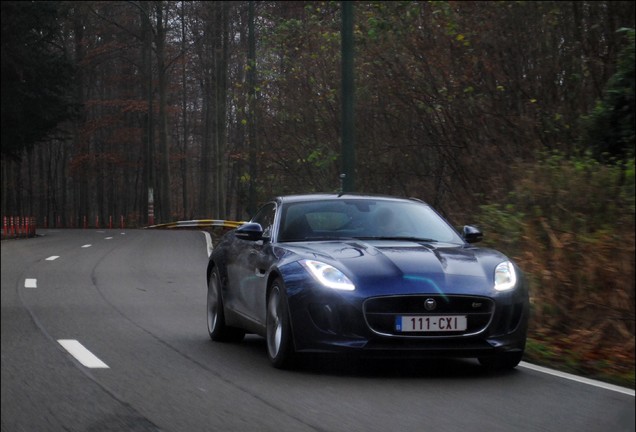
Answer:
(440, 323)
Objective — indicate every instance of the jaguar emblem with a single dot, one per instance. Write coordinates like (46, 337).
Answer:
(430, 304)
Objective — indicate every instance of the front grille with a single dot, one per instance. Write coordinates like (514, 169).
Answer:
(381, 312)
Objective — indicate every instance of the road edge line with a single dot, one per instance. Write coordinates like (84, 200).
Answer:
(579, 379)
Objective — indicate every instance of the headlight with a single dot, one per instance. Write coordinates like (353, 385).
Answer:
(505, 276)
(328, 275)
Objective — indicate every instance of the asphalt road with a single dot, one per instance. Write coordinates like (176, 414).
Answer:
(135, 300)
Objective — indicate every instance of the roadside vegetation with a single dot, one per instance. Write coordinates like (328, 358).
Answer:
(570, 225)
(569, 221)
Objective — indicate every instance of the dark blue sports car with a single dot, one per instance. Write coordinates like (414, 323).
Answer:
(367, 275)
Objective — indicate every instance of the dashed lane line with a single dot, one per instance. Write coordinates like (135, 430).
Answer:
(81, 354)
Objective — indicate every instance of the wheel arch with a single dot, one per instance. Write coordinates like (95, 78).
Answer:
(211, 266)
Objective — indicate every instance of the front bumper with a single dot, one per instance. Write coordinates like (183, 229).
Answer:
(328, 321)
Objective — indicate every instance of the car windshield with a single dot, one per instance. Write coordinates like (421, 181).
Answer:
(365, 219)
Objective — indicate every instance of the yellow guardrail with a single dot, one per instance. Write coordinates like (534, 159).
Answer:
(199, 223)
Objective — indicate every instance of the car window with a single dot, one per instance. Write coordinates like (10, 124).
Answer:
(265, 217)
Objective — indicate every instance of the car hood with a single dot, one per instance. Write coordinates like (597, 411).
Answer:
(416, 267)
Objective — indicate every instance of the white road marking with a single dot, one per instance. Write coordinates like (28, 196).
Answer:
(571, 377)
(86, 246)
(208, 240)
(108, 238)
(82, 355)
(52, 258)
(30, 283)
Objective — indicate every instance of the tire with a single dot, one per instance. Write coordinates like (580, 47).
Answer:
(280, 345)
(502, 362)
(217, 329)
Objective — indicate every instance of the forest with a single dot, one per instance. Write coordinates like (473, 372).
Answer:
(515, 116)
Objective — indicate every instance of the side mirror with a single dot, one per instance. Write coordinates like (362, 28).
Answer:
(472, 234)
(249, 231)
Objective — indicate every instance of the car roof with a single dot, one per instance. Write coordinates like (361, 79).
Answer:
(343, 196)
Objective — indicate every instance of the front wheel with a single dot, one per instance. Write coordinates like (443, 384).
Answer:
(280, 346)
(217, 329)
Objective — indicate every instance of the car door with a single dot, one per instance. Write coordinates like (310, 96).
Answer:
(248, 269)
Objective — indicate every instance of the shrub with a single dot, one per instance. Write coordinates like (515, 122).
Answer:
(569, 223)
